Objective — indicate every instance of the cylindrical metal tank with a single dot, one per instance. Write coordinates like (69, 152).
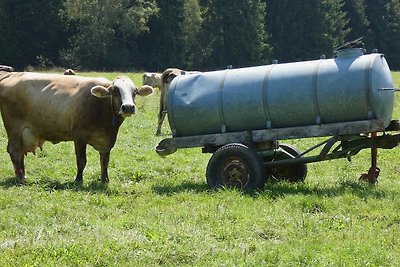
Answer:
(347, 88)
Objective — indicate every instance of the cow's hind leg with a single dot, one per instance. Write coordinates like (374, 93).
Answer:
(162, 109)
(104, 160)
(17, 158)
(80, 152)
(161, 117)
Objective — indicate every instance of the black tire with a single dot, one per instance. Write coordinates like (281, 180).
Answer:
(237, 166)
(291, 172)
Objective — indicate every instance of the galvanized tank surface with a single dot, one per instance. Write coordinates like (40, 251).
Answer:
(350, 87)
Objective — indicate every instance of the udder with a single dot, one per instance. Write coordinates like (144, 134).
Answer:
(30, 141)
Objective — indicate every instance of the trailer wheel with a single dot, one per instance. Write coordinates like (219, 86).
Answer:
(291, 172)
(236, 165)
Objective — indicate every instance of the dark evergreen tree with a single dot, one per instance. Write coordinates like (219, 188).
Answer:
(358, 22)
(31, 32)
(173, 37)
(7, 42)
(384, 16)
(302, 30)
(190, 34)
(161, 45)
(234, 33)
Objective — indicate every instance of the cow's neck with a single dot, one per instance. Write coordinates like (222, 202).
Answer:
(117, 119)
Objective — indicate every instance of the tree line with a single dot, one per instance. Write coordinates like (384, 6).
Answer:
(191, 34)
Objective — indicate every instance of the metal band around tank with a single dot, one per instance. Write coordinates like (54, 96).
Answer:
(317, 110)
(170, 108)
(220, 107)
(368, 85)
(265, 97)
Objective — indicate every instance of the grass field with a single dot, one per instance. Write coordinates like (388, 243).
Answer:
(158, 211)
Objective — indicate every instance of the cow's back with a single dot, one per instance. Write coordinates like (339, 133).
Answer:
(53, 105)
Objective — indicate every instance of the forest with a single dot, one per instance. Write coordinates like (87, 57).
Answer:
(151, 35)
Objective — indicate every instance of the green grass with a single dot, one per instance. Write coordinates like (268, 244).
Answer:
(158, 211)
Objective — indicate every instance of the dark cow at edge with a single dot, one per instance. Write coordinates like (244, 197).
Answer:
(166, 78)
(52, 107)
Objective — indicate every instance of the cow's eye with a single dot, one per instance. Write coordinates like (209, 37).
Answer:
(115, 91)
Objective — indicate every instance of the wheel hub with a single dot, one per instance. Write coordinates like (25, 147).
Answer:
(235, 173)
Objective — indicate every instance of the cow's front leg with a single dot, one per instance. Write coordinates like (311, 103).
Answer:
(80, 152)
(17, 158)
(104, 160)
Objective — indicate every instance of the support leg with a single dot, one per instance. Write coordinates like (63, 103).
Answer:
(373, 172)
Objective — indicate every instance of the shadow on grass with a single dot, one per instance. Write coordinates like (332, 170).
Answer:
(356, 188)
(271, 189)
(94, 186)
(282, 189)
(11, 182)
(184, 187)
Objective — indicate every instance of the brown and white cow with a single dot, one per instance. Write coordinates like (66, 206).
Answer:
(39, 107)
(153, 79)
(166, 78)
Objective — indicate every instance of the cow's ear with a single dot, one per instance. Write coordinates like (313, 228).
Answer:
(101, 91)
(145, 90)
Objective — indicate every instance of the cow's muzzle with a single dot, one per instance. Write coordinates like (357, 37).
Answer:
(127, 110)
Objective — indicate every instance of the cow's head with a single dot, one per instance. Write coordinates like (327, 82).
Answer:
(123, 92)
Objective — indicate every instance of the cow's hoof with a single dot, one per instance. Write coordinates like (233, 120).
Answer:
(78, 181)
(104, 179)
(20, 176)
(21, 180)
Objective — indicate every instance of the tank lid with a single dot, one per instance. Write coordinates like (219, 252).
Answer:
(350, 52)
